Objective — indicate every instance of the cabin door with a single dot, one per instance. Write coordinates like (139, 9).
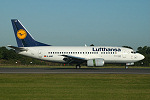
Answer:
(40, 54)
(124, 54)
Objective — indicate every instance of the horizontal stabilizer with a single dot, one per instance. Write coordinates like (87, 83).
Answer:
(18, 48)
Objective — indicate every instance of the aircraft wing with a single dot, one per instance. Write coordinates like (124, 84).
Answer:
(73, 59)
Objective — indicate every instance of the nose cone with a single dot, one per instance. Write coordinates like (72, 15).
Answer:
(141, 57)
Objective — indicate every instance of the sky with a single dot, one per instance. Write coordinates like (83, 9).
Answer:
(78, 22)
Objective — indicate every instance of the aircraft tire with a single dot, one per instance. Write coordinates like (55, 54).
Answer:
(78, 66)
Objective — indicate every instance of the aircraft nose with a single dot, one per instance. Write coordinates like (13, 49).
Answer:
(141, 57)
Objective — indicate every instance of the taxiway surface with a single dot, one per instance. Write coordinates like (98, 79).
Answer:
(76, 71)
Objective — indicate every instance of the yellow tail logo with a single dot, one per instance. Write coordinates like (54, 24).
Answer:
(21, 34)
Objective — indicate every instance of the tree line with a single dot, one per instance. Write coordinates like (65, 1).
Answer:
(146, 52)
(9, 56)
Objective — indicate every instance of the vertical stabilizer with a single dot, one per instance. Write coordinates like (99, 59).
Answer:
(23, 37)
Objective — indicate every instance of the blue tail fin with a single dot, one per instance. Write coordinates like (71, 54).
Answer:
(23, 37)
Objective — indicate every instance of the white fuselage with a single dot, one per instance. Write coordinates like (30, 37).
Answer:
(109, 54)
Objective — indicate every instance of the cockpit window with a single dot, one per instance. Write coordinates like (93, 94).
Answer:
(133, 52)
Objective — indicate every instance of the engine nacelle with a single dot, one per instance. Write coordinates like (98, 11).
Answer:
(95, 62)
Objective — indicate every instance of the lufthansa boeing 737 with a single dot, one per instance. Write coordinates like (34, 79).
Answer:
(94, 56)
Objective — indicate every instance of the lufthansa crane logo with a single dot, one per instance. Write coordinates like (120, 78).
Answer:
(21, 34)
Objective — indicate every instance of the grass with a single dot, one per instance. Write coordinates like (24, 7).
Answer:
(74, 87)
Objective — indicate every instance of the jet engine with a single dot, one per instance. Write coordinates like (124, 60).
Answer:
(95, 62)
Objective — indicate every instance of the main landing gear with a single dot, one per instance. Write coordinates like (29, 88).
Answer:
(78, 66)
(126, 66)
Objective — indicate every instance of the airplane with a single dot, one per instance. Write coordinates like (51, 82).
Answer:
(93, 56)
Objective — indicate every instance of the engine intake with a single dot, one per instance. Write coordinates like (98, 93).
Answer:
(95, 62)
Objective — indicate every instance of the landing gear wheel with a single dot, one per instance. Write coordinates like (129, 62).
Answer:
(78, 66)
(126, 67)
